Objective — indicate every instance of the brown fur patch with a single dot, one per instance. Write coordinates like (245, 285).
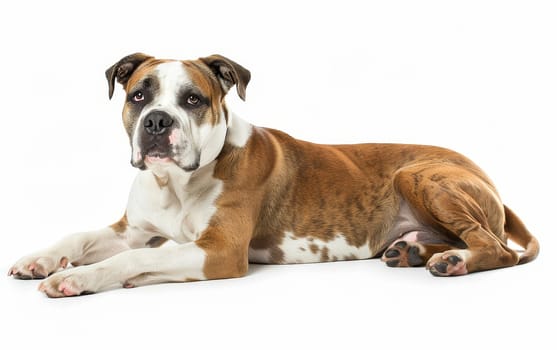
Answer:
(313, 248)
(145, 69)
(227, 256)
(454, 200)
(324, 254)
(161, 181)
(321, 191)
(121, 225)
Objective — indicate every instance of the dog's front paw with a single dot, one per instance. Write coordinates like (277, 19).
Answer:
(67, 284)
(37, 266)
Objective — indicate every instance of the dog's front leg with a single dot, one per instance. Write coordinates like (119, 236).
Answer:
(215, 255)
(78, 248)
(130, 269)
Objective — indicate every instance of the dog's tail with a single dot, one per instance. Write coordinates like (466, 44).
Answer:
(517, 231)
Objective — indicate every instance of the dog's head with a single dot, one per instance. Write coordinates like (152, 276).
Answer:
(174, 110)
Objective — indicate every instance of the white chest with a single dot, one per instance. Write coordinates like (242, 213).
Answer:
(178, 209)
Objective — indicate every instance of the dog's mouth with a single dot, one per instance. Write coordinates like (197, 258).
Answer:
(157, 153)
(157, 156)
(154, 154)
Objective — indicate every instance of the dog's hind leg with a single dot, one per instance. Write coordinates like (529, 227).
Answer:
(460, 202)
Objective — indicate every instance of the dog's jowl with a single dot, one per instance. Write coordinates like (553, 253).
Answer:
(230, 193)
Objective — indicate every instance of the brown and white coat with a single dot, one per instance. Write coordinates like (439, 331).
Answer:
(230, 193)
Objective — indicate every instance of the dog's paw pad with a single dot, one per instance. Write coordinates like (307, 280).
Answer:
(447, 264)
(403, 254)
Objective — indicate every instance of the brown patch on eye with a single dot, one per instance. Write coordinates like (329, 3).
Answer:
(199, 78)
(121, 225)
(144, 72)
(204, 80)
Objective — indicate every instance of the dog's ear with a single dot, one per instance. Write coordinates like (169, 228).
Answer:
(123, 69)
(229, 73)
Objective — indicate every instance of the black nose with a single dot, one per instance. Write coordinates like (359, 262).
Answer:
(157, 122)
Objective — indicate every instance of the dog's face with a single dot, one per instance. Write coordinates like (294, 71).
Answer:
(174, 110)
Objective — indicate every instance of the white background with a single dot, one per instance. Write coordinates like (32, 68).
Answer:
(479, 77)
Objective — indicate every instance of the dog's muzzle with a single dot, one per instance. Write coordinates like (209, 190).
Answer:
(158, 142)
(155, 135)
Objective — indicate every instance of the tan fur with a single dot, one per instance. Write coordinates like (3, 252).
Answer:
(318, 191)
(121, 225)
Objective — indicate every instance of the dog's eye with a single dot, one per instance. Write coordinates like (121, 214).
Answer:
(193, 100)
(138, 96)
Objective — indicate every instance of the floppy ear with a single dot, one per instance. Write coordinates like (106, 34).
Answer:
(229, 73)
(123, 69)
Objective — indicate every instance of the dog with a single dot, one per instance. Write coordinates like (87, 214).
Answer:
(230, 193)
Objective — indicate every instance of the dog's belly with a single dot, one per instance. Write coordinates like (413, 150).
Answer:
(292, 248)
(295, 249)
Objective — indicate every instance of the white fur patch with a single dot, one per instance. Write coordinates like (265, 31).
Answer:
(239, 131)
(172, 77)
(310, 250)
(213, 139)
(181, 209)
